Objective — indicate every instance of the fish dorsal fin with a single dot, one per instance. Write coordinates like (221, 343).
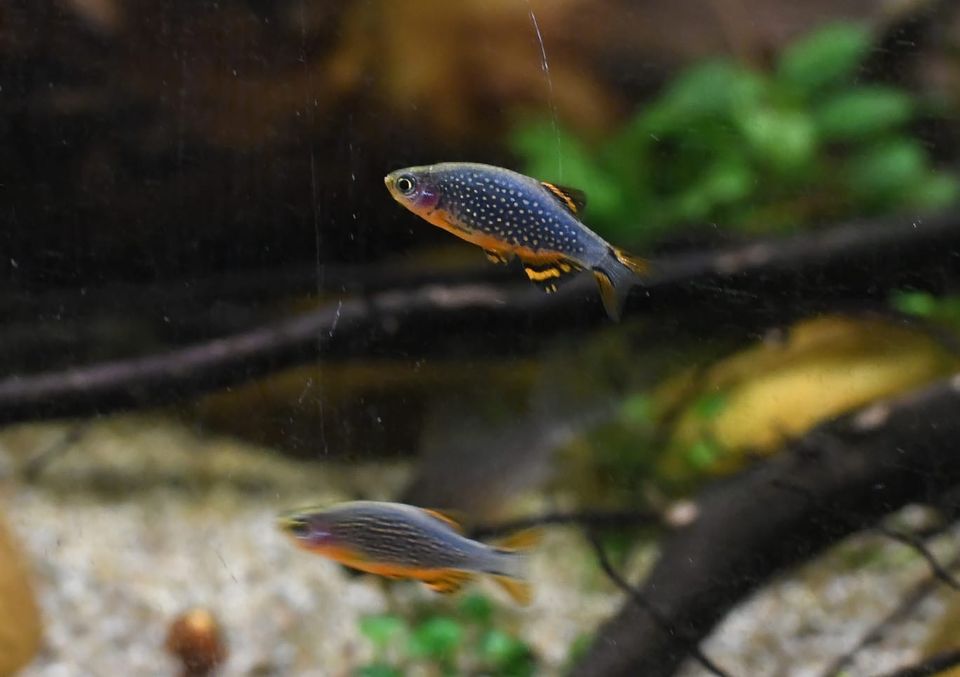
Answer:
(446, 517)
(518, 540)
(496, 257)
(546, 274)
(519, 590)
(448, 581)
(571, 198)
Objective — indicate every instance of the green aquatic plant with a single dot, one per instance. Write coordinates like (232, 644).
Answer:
(760, 151)
(944, 310)
(469, 638)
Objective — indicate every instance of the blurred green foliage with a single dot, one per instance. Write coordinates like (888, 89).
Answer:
(941, 309)
(468, 640)
(757, 151)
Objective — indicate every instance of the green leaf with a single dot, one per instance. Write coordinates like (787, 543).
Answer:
(703, 454)
(379, 670)
(710, 405)
(477, 608)
(880, 172)
(934, 192)
(714, 89)
(381, 630)
(921, 304)
(637, 409)
(783, 139)
(508, 655)
(830, 55)
(862, 112)
(436, 638)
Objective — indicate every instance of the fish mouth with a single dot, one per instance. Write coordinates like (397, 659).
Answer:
(388, 181)
(292, 523)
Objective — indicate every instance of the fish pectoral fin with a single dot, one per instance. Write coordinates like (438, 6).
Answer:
(519, 591)
(446, 517)
(448, 581)
(496, 257)
(571, 198)
(546, 274)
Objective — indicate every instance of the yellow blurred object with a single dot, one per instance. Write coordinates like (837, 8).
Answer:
(20, 623)
(754, 401)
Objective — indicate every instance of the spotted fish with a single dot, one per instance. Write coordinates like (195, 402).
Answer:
(401, 541)
(508, 214)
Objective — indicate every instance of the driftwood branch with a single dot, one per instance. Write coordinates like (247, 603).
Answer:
(395, 322)
(841, 477)
(647, 608)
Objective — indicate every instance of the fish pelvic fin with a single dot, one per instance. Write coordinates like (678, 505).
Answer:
(448, 581)
(518, 589)
(547, 273)
(616, 277)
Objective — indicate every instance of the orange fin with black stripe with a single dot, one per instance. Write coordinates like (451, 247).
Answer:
(571, 198)
(496, 257)
(448, 581)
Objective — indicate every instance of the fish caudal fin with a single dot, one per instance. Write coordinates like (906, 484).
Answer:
(511, 564)
(616, 277)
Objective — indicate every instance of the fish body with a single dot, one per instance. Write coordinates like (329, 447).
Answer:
(402, 541)
(508, 214)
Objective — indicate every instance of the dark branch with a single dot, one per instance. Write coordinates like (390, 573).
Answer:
(843, 476)
(921, 548)
(595, 519)
(644, 604)
(395, 322)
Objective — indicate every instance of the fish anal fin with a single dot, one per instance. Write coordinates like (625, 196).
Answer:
(571, 198)
(519, 540)
(548, 272)
(446, 517)
(496, 257)
(519, 591)
(612, 300)
(448, 581)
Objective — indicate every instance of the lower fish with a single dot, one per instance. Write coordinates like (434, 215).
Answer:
(401, 541)
(508, 214)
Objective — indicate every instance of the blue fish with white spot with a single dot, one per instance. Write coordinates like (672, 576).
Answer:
(508, 214)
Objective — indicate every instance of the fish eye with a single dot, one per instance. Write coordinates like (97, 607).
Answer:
(405, 184)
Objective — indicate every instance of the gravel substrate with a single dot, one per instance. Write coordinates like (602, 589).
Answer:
(144, 517)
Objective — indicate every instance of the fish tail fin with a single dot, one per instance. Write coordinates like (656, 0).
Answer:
(616, 277)
(509, 570)
(637, 265)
